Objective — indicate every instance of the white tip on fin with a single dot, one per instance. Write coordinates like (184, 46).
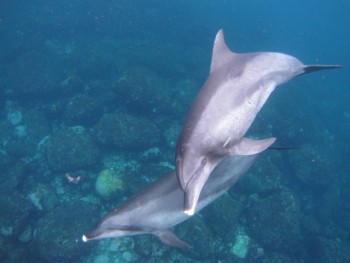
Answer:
(189, 211)
(85, 239)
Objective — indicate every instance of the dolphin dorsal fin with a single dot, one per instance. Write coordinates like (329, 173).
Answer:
(221, 53)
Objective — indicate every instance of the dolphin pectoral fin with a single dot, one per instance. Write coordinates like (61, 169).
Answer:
(249, 146)
(170, 239)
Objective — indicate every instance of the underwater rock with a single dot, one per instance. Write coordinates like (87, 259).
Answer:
(54, 109)
(184, 95)
(329, 211)
(258, 180)
(241, 244)
(310, 224)
(276, 258)
(26, 235)
(151, 154)
(274, 222)
(11, 251)
(228, 218)
(15, 214)
(113, 250)
(6, 132)
(43, 197)
(313, 166)
(202, 241)
(25, 137)
(11, 175)
(20, 131)
(330, 250)
(35, 74)
(98, 60)
(109, 183)
(176, 257)
(14, 117)
(71, 149)
(150, 247)
(5, 161)
(142, 90)
(126, 131)
(102, 259)
(171, 134)
(300, 127)
(70, 85)
(165, 58)
(58, 233)
(82, 110)
(144, 175)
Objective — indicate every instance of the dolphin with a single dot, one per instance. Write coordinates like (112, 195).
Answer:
(237, 87)
(159, 206)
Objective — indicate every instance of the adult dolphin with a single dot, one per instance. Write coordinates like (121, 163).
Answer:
(237, 87)
(159, 206)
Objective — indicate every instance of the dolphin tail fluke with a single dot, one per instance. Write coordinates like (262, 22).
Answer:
(249, 146)
(170, 239)
(313, 68)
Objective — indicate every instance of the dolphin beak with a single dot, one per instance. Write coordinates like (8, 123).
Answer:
(312, 68)
(190, 211)
(179, 173)
(193, 189)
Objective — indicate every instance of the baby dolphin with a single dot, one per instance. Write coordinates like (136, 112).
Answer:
(159, 206)
(237, 87)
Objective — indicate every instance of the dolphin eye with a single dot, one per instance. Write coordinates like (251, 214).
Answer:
(204, 161)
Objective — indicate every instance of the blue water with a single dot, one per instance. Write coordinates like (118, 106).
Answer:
(87, 86)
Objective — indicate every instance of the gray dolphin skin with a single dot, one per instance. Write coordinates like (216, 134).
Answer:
(236, 89)
(159, 206)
